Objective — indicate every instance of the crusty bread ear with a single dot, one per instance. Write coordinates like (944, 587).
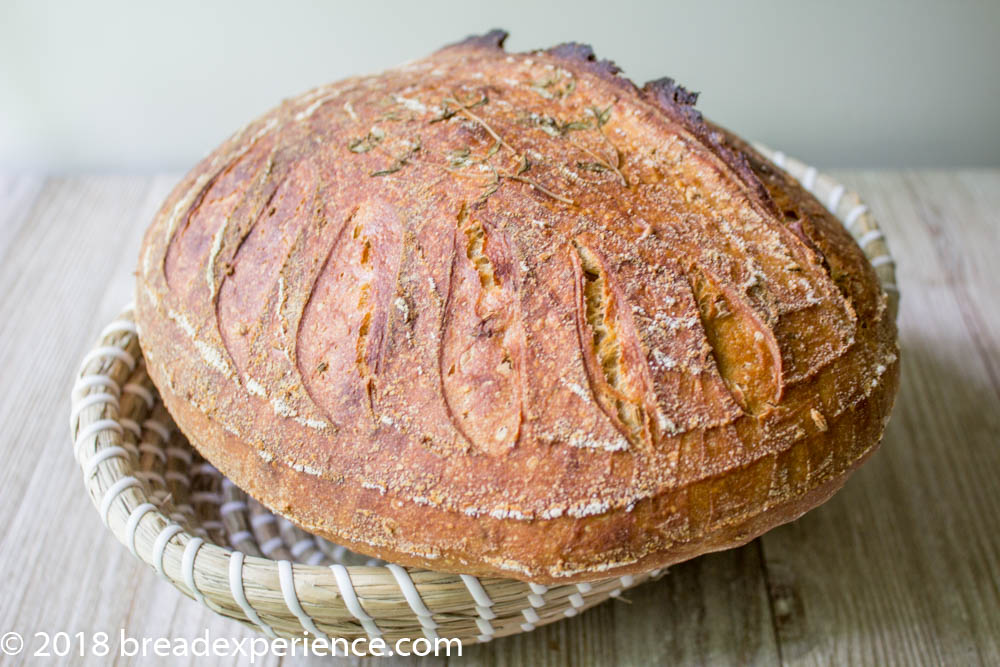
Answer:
(511, 315)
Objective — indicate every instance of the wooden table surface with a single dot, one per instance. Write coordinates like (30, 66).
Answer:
(902, 566)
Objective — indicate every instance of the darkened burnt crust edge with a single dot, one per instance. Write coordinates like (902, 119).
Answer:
(491, 40)
(673, 99)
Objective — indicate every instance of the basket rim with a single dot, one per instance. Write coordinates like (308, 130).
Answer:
(851, 211)
(105, 391)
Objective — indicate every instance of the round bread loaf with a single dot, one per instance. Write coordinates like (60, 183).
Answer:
(512, 315)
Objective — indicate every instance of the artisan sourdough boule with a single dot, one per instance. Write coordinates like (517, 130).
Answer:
(512, 315)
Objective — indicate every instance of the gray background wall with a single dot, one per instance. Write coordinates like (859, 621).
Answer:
(143, 85)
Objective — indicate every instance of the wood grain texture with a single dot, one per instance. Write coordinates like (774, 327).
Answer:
(17, 193)
(910, 549)
(901, 567)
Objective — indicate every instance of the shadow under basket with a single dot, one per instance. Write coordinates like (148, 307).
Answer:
(178, 514)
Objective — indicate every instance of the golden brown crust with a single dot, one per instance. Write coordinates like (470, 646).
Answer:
(511, 315)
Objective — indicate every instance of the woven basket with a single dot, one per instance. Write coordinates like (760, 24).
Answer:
(177, 513)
